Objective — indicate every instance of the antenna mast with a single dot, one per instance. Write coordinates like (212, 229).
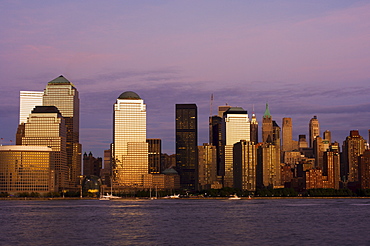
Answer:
(211, 105)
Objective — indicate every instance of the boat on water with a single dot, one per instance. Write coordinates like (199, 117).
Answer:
(234, 197)
(174, 196)
(108, 197)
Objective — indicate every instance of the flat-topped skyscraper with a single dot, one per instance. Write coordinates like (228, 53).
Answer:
(28, 100)
(187, 145)
(236, 127)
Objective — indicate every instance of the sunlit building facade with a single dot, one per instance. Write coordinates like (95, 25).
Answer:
(236, 127)
(129, 149)
(26, 169)
(287, 134)
(63, 94)
(46, 127)
(27, 101)
(314, 129)
(245, 162)
(207, 159)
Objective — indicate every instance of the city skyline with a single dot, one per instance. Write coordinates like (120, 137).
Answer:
(304, 59)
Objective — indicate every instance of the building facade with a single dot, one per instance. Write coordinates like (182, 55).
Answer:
(27, 101)
(62, 94)
(46, 127)
(236, 127)
(129, 149)
(207, 158)
(154, 155)
(27, 169)
(314, 129)
(187, 145)
(353, 147)
(287, 134)
(245, 162)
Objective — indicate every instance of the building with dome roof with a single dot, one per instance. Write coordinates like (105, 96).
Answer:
(129, 149)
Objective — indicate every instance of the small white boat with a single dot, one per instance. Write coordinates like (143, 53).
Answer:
(110, 196)
(234, 197)
(173, 196)
(102, 198)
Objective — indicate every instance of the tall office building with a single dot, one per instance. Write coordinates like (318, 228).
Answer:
(27, 101)
(327, 136)
(287, 134)
(267, 126)
(364, 170)
(207, 166)
(154, 155)
(46, 127)
(268, 172)
(222, 110)
(130, 149)
(215, 138)
(62, 94)
(245, 162)
(331, 168)
(302, 143)
(353, 147)
(319, 147)
(187, 145)
(254, 129)
(236, 127)
(314, 129)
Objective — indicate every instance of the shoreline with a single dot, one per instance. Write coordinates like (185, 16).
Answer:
(147, 198)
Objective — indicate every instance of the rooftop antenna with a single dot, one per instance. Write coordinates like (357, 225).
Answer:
(211, 105)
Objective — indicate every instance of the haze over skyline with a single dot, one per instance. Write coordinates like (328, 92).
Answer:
(303, 58)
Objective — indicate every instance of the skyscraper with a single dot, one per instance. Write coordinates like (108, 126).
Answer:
(62, 94)
(187, 145)
(154, 155)
(327, 136)
(245, 162)
(215, 138)
(236, 127)
(254, 129)
(130, 149)
(46, 127)
(207, 166)
(267, 126)
(27, 101)
(314, 129)
(287, 132)
(353, 147)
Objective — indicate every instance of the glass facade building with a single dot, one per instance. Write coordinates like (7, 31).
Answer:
(236, 127)
(62, 93)
(27, 101)
(129, 149)
(187, 145)
(26, 169)
(46, 127)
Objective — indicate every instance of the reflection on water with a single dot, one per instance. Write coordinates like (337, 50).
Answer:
(185, 222)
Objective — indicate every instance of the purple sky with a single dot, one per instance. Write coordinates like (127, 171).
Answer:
(304, 57)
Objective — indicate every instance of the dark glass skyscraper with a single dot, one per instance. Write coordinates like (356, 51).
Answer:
(187, 145)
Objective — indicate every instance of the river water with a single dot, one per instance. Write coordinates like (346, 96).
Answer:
(186, 222)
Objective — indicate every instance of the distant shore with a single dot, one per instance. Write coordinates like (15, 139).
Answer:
(161, 198)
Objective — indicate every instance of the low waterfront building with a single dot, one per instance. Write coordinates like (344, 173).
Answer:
(27, 169)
